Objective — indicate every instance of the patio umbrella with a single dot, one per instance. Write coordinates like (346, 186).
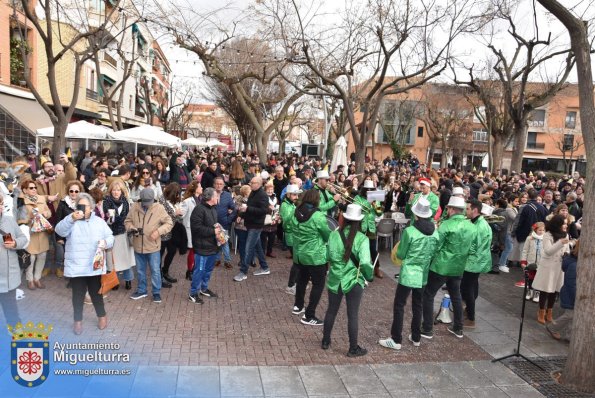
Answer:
(339, 154)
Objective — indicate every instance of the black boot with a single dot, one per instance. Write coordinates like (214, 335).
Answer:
(165, 284)
(165, 275)
(189, 275)
(116, 287)
(128, 285)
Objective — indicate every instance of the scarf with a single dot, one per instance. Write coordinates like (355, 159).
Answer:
(69, 202)
(33, 199)
(46, 180)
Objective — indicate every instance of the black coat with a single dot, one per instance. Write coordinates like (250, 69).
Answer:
(202, 221)
(258, 208)
(208, 178)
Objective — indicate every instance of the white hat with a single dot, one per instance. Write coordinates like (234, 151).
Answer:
(292, 188)
(353, 213)
(322, 174)
(457, 201)
(458, 191)
(486, 209)
(422, 208)
(369, 184)
(264, 175)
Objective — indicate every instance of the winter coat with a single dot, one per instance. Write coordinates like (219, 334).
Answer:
(187, 207)
(63, 211)
(10, 272)
(550, 277)
(343, 275)
(58, 185)
(532, 250)
(155, 218)
(368, 224)
(417, 247)
(121, 209)
(454, 234)
(202, 224)
(287, 211)
(223, 216)
(135, 192)
(258, 208)
(310, 237)
(82, 238)
(208, 178)
(389, 203)
(568, 291)
(510, 216)
(171, 211)
(432, 198)
(480, 254)
(39, 241)
(531, 213)
(327, 203)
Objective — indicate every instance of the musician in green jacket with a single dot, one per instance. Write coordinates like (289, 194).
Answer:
(426, 192)
(416, 248)
(310, 236)
(480, 257)
(328, 200)
(368, 224)
(287, 211)
(448, 264)
(350, 268)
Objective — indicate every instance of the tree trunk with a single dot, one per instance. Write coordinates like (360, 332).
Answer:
(360, 157)
(444, 157)
(281, 146)
(497, 150)
(520, 142)
(430, 158)
(59, 143)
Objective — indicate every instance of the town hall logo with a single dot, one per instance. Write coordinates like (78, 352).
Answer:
(30, 353)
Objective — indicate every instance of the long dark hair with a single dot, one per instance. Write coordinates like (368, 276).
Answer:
(554, 227)
(354, 226)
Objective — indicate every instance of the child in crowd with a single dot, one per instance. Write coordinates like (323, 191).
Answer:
(531, 256)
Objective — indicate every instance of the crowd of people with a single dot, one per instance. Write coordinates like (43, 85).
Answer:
(82, 219)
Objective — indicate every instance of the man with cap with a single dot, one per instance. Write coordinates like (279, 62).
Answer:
(416, 249)
(249, 174)
(328, 201)
(426, 192)
(448, 265)
(287, 211)
(480, 257)
(147, 221)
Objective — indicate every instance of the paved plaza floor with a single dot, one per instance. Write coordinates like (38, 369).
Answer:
(247, 343)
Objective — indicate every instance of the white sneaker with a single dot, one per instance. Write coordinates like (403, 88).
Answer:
(290, 290)
(296, 310)
(389, 343)
(262, 272)
(415, 343)
(504, 268)
(536, 296)
(240, 277)
(529, 295)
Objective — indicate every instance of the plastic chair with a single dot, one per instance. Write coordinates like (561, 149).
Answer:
(385, 229)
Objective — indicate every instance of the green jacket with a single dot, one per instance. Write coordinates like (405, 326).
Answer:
(286, 212)
(347, 275)
(327, 203)
(432, 198)
(310, 236)
(416, 249)
(480, 255)
(369, 211)
(455, 235)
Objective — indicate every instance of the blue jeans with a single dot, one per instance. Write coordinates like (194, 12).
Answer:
(153, 260)
(225, 251)
(507, 250)
(203, 267)
(253, 246)
(128, 275)
(242, 236)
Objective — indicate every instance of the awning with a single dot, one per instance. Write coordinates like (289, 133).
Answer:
(146, 135)
(80, 129)
(27, 111)
(108, 80)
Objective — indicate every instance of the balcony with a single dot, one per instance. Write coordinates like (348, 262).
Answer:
(92, 95)
(535, 147)
(110, 60)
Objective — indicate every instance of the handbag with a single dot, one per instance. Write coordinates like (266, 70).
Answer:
(109, 280)
(24, 258)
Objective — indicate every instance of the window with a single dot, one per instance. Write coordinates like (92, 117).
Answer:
(130, 103)
(568, 142)
(481, 110)
(537, 118)
(91, 80)
(420, 131)
(480, 135)
(570, 122)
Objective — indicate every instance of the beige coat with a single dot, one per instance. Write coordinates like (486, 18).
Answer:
(156, 218)
(58, 186)
(550, 277)
(39, 242)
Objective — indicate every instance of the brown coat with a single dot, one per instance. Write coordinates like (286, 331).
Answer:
(156, 218)
(39, 241)
(58, 186)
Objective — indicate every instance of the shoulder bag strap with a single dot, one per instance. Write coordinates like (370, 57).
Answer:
(351, 255)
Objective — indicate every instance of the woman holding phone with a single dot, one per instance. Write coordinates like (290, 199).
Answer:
(144, 180)
(65, 208)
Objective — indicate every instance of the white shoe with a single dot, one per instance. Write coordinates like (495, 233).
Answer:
(262, 272)
(290, 290)
(297, 310)
(504, 268)
(389, 343)
(536, 297)
(529, 295)
(415, 343)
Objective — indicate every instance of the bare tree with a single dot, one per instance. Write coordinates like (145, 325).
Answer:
(173, 108)
(294, 119)
(579, 371)
(396, 120)
(568, 145)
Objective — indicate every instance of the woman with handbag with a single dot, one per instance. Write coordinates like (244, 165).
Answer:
(189, 201)
(87, 238)
(172, 196)
(13, 239)
(34, 212)
(121, 256)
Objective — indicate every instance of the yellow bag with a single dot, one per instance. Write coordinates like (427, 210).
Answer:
(393, 256)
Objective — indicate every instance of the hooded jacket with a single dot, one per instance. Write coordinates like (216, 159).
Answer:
(287, 212)
(10, 272)
(454, 235)
(202, 225)
(417, 247)
(480, 254)
(155, 218)
(310, 237)
(258, 208)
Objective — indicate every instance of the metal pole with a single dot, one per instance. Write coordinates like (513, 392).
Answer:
(326, 129)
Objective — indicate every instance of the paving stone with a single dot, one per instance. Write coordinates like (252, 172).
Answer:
(465, 374)
(281, 381)
(486, 392)
(410, 394)
(525, 391)
(396, 377)
(360, 379)
(489, 338)
(449, 393)
(431, 376)
(322, 380)
(500, 350)
(145, 384)
(240, 381)
(198, 381)
(498, 374)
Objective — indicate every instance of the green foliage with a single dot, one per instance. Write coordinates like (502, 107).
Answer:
(17, 64)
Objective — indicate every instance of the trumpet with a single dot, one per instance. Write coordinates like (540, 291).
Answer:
(338, 189)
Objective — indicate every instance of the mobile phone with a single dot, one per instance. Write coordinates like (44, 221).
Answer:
(7, 238)
(80, 208)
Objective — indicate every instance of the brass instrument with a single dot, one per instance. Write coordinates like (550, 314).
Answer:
(338, 189)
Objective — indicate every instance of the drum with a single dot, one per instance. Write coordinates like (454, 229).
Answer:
(332, 223)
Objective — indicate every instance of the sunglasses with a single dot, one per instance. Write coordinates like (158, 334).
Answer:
(146, 173)
(33, 187)
(73, 191)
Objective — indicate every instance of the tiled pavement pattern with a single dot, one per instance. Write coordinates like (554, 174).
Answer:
(226, 346)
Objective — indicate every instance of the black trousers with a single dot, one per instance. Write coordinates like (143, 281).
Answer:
(353, 300)
(316, 274)
(435, 282)
(172, 250)
(401, 296)
(469, 292)
(80, 285)
(8, 301)
(267, 239)
(293, 272)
